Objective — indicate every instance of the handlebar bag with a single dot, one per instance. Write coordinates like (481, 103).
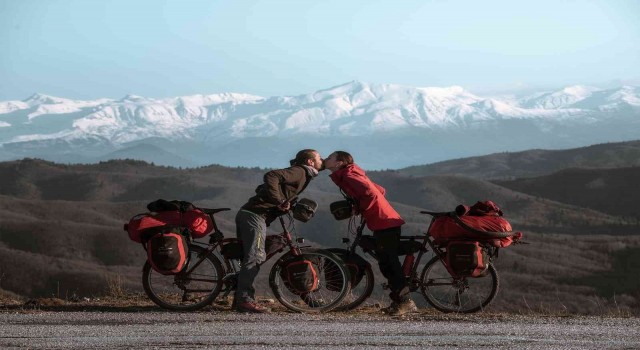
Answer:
(304, 209)
(167, 252)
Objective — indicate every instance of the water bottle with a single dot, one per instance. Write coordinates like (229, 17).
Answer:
(408, 264)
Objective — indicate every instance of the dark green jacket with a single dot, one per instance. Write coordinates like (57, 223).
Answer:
(279, 186)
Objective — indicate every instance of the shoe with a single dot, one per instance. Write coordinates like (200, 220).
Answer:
(314, 302)
(251, 306)
(390, 308)
(404, 308)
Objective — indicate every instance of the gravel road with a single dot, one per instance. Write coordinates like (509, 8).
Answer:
(215, 329)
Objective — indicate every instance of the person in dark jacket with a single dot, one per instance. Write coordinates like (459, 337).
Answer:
(381, 218)
(272, 199)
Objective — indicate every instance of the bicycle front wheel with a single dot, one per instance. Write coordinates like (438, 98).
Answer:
(195, 287)
(362, 279)
(461, 295)
(331, 285)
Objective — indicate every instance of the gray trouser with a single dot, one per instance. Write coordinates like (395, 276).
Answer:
(251, 229)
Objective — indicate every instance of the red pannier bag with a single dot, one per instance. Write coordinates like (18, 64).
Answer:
(300, 276)
(445, 229)
(198, 223)
(466, 259)
(483, 216)
(167, 252)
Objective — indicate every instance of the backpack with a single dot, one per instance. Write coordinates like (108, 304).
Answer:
(167, 251)
(466, 259)
(300, 276)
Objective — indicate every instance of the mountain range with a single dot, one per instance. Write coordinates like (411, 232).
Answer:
(382, 125)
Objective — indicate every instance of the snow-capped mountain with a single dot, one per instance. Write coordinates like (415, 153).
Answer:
(383, 125)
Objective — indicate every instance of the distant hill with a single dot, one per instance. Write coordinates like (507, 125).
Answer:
(61, 225)
(509, 165)
(612, 191)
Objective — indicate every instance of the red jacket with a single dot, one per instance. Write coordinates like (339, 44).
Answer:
(369, 196)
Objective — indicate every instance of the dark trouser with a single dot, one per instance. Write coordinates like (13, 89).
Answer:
(387, 245)
(251, 229)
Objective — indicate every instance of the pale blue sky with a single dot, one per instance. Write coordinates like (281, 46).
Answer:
(89, 49)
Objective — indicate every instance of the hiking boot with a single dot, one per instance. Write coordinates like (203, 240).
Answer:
(314, 302)
(404, 308)
(251, 306)
(390, 308)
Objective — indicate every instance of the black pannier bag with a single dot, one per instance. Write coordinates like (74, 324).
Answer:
(304, 209)
(341, 209)
(274, 244)
(356, 265)
(300, 276)
(368, 244)
(408, 247)
(167, 251)
(161, 205)
(466, 259)
(232, 250)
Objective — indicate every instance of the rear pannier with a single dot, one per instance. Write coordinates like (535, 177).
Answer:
(198, 223)
(470, 223)
(466, 259)
(167, 251)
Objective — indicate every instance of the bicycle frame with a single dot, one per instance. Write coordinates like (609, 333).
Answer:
(427, 243)
(217, 240)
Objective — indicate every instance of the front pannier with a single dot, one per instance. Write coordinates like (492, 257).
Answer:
(300, 276)
(167, 252)
(466, 259)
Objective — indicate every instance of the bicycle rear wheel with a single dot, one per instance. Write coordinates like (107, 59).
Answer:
(461, 295)
(332, 284)
(195, 287)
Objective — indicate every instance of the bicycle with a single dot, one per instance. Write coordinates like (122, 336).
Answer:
(200, 282)
(441, 288)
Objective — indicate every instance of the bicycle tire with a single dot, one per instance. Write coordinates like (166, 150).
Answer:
(170, 291)
(322, 299)
(360, 291)
(445, 293)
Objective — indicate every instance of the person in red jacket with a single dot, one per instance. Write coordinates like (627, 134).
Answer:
(381, 218)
